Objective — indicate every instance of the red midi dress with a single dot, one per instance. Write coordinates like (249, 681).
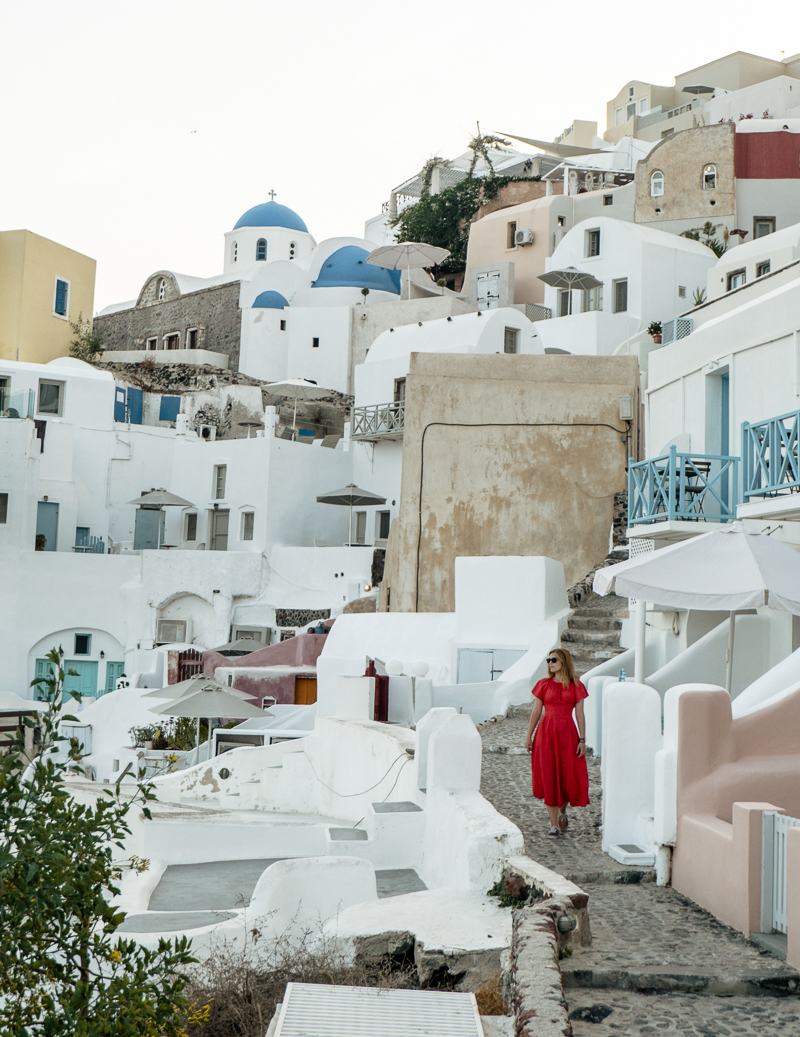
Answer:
(559, 774)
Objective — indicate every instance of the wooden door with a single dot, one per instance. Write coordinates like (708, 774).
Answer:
(305, 691)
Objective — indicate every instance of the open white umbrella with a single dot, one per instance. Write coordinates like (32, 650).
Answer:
(299, 389)
(732, 568)
(571, 279)
(407, 255)
(347, 497)
(193, 685)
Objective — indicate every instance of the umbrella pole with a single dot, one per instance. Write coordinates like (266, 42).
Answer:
(641, 631)
(294, 419)
(198, 739)
(731, 635)
(350, 527)
(408, 273)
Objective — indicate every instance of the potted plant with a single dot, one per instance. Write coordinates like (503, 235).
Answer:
(654, 330)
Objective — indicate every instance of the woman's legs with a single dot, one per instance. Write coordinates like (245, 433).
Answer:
(552, 813)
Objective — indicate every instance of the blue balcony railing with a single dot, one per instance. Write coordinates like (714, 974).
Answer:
(770, 462)
(686, 487)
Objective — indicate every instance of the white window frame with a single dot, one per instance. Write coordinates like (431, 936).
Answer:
(590, 238)
(151, 344)
(656, 184)
(616, 283)
(68, 283)
(161, 289)
(681, 291)
(619, 117)
(360, 520)
(642, 105)
(709, 170)
(172, 334)
(249, 513)
(234, 251)
(188, 515)
(762, 269)
(61, 391)
(220, 481)
(763, 219)
(511, 338)
(735, 275)
(593, 299)
(196, 333)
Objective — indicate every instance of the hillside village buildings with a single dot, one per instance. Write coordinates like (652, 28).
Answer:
(511, 437)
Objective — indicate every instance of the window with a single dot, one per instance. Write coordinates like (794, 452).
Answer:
(152, 343)
(169, 408)
(220, 475)
(261, 250)
(162, 290)
(681, 291)
(283, 325)
(191, 338)
(630, 110)
(763, 225)
(593, 299)
(361, 527)
(592, 243)
(736, 279)
(3, 508)
(51, 397)
(762, 268)
(642, 105)
(511, 233)
(315, 343)
(631, 91)
(562, 221)
(399, 390)
(564, 307)
(292, 247)
(83, 644)
(61, 298)
(709, 178)
(618, 117)
(621, 296)
(383, 524)
(657, 184)
(667, 133)
(81, 536)
(234, 252)
(608, 199)
(191, 526)
(248, 521)
(172, 342)
(510, 340)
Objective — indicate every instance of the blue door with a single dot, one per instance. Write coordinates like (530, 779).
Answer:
(113, 672)
(44, 668)
(86, 681)
(47, 523)
(724, 432)
(119, 404)
(135, 406)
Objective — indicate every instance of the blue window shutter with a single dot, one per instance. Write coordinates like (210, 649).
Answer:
(170, 408)
(61, 297)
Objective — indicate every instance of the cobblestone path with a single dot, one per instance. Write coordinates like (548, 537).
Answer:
(651, 946)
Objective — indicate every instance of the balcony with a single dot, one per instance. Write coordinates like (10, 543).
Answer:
(672, 496)
(19, 404)
(380, 421)
(771, 468)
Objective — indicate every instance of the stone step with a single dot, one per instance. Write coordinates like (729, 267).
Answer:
(687, 979)
(593, 622)
(591, 637)
(593, 658)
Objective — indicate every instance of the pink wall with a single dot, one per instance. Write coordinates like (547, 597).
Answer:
(303, 650)
(280, 688)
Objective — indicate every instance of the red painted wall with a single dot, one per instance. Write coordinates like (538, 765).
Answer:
(767, 156)
(303, 650)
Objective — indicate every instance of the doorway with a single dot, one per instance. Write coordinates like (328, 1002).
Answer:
(47, 524)
(305, 691)
(148, 531)
(219, 530)
(114, 671)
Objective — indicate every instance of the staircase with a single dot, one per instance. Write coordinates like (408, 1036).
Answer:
(593, 631)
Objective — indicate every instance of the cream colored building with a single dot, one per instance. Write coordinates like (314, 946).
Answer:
(43, 286)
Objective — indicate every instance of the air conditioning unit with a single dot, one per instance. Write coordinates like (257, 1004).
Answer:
(260, 634)
(207, 432)
(523, 237)
(172, 631)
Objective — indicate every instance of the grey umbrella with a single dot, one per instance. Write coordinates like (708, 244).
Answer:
(211, 700)
(571, 279)
(159, 499)
(244, 646)
(347, 497)
(193, 685)
(298, 389)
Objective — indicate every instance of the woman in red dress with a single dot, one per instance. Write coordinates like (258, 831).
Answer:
(557, 746)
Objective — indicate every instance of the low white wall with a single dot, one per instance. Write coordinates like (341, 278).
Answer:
(784, 676)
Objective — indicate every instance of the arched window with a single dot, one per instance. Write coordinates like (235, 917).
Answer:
(162, 289)
(261, 250)
(657, 184)
(709, 178)
(234, 252)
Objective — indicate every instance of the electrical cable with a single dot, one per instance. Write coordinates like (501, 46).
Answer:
(350, 795)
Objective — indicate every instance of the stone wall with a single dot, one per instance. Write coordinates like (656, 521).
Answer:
(299, 617)
(214, 311)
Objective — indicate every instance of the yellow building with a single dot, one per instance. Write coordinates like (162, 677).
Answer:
(43, 286)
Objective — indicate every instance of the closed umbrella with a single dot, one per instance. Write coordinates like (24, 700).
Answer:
(210, 702)
(571, 279)
(731, 568)
(299, 389)
(347, 497)
(407, 255)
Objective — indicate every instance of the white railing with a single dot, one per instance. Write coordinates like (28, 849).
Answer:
(774, 884)
(380, 420)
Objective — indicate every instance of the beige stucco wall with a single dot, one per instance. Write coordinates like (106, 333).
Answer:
(510, 484)
(29, 266)
(681, 158)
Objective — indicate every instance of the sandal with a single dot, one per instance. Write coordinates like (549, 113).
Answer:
(554, 832)
(563, 821)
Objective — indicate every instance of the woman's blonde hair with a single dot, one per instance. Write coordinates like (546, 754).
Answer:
(567, 666)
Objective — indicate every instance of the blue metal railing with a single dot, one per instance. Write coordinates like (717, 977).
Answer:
(689, 487)
(770, 462)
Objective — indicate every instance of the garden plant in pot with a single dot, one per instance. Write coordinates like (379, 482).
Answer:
(654, 330)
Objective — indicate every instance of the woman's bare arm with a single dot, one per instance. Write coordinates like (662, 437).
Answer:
(581, 722)
(536, 712)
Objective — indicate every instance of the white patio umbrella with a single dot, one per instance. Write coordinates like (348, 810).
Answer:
(193, 685)
(299, 389)
(732, 568)
(158, 500)
(210, 701)
(347, 497)
(571, 279)
(407, 255)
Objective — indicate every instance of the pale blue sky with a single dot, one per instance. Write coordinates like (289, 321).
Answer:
(138, 133)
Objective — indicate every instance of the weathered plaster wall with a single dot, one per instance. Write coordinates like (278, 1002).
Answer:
(512, 483)
(214, 311)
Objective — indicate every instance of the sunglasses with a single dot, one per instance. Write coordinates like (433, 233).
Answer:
(554, 659)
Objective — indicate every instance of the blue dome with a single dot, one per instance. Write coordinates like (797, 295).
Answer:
(271, 214)
(270, 301)
(347, 267)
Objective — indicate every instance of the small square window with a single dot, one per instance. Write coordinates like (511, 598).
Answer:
(511, 340)
(83, 644)
(592, 243)
(631, 91)
(562, 221)
(681, 291)
(511, 234)
(283, 325)
(152, 343)
(736, 279)
(51, 398)
(3, 508)
(621, 296)
(61, 298)
(315, 343)
(608, 199)
(763, 225)
(667, 133)
(191, 526)
(248, 522)
(762, 269)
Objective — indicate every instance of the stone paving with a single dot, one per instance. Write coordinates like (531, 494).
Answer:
(645, 936)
